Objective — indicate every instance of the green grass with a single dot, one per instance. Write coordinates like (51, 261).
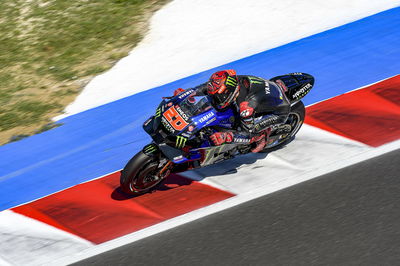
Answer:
(55, 36)
(46, 45)
(24, 113)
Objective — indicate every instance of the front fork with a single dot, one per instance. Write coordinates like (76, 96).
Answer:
(165, 165)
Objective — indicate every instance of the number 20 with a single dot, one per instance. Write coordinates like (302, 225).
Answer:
(175, 119)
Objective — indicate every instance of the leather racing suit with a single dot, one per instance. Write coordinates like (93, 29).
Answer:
(260, 105)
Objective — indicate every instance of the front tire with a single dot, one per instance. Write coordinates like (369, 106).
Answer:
(140, 174)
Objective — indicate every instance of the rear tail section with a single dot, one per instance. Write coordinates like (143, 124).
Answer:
(296, 85)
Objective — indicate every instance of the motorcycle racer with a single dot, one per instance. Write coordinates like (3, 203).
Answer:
(248, 112)
(259, 104)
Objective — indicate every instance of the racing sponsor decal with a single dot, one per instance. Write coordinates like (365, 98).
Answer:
(190, 128)
(175, 119)
(150, 148)
(282, 85)
(273, 119)
(296, 73)
(241, 139)
(167, 125)
(231, 82)
(186, 93)
(180, 142)
(256, 80)
(210, 121)
(206, 117)
(244, 113)
(245, 109)
(181, 113)
(158, 112)
(177, 158)
(226, 125)
(186, 135)
(267, 90)
(303, 91)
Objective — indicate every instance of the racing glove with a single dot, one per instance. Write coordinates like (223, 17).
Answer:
(178, 91)
(219, 138)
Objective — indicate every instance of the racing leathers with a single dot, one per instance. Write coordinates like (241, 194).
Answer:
(260, 105)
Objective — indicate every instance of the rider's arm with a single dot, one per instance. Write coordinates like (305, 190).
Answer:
(257, 124)
(251, 129)
(233, 136)
(201, 90)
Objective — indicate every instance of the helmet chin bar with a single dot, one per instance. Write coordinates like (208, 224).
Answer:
(230, 99)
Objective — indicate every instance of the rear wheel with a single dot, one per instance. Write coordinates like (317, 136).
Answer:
(141, 174)
(295, 120)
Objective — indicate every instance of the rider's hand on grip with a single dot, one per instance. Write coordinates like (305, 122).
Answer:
(178, 91)
(219, 138)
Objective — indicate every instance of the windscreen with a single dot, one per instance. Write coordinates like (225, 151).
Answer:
(195, 105)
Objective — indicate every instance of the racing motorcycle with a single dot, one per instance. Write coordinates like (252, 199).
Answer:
(181, 127)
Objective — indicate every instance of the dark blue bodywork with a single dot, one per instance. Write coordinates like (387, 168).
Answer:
(198, 113)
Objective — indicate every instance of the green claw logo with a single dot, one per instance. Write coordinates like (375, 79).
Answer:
(158, 112)
(256, 80)
(180, 142)
(150, 148)
(231, 82)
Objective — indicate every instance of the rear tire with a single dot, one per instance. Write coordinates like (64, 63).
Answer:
(295, 119)
(138, 176)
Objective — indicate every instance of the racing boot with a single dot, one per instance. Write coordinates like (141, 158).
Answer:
(261, 140)
(260, 145)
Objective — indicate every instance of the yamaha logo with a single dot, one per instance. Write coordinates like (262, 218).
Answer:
(206, 117)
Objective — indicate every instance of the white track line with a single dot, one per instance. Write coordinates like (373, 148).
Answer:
(225, 204)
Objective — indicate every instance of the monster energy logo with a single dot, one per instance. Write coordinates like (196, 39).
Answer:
(150, 148)
(256, 80)
(180, 142)
(231, 82)
(158, 112)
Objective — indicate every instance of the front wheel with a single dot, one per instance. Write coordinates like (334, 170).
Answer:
(141, 174)
(295, 120)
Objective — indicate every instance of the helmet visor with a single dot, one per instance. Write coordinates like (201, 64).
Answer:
(220, 99)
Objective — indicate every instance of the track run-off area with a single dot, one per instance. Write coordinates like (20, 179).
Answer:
(59, 190)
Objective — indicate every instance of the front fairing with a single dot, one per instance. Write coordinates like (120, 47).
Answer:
(153, 123)
(177, 120)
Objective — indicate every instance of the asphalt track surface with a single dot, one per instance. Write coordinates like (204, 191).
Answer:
(348, 217)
